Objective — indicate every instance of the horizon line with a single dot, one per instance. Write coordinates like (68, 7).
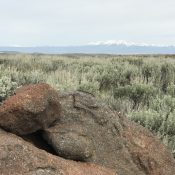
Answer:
(97, 43)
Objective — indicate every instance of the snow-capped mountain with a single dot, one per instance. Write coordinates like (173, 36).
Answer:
(125, 43)
(99, 47)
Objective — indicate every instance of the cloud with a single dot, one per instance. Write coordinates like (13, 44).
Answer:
(56, 22)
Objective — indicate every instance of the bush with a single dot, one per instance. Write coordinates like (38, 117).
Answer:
(88, 87)
(7, 87)
(166, 76)
(137, 93)
(117, 75)
(147, 118)
(26, 78)
(147, 71)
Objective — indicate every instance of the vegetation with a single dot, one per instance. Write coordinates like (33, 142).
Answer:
(141, 87)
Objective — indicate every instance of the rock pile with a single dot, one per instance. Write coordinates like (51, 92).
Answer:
(74, 134)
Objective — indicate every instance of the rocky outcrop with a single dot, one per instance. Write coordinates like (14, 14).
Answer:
(34, 107)
(17, 157)
(56, 127)
(147, 152)
(91, 132)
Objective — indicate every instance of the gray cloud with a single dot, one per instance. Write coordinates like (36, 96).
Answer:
(74, 22)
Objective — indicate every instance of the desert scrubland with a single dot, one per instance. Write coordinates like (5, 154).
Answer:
(142, 87)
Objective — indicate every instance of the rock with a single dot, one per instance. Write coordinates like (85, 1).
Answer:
(34, 107)
(147, 152)
(77, 127)
(92, 132)
(18, 157)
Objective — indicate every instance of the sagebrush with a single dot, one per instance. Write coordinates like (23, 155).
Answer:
(140, 87)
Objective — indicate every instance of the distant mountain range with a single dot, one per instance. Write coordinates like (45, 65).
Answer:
(100, 47)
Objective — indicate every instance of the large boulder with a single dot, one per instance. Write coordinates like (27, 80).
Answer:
(18, 157)
(34, 107)
(147, 152)
(89, 131)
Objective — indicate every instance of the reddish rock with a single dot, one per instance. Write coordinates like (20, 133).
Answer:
(92, 132)
(18, 157)
(34, 107)
(147, 151)
(86, 131)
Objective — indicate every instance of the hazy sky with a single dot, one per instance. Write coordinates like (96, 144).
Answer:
(76, 22)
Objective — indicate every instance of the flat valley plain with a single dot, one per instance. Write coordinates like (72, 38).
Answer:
(141, 87)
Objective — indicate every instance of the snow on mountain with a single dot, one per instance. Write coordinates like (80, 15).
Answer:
(99, 47)
(125, 43)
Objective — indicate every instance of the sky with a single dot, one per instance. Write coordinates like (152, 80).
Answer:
(78, 22)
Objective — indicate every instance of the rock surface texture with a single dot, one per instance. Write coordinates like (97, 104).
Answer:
(89, 131)
(17, 157)
(34, 107)
(74, 134)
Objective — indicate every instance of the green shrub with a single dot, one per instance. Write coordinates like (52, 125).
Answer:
(147, 118)
(147, 71)
(137, 93)
(88, 87)
(7, 87)
(166, 76)
(26, 78)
